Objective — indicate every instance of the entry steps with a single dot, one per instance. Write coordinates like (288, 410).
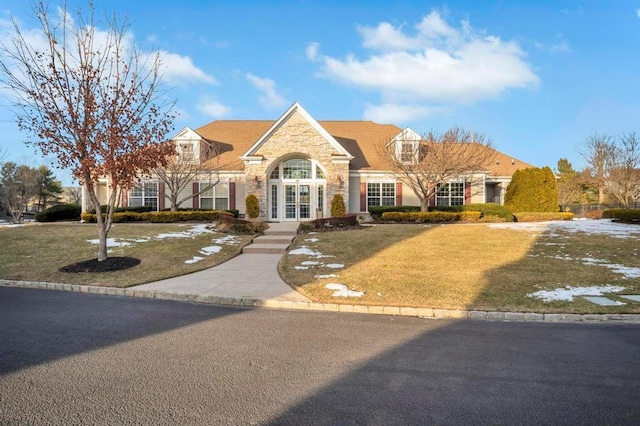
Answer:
(276, 239)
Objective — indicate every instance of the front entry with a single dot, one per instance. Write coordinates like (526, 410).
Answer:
(296, 191)
(297, 201)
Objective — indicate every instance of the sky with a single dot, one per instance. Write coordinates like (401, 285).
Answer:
(535, 77)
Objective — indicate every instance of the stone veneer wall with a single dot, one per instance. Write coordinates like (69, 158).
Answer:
(297, 138)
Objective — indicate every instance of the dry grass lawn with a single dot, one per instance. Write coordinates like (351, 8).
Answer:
(461, 266)
(35, 252)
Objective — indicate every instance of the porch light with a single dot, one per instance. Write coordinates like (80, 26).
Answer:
(340, 181)
(258, 181)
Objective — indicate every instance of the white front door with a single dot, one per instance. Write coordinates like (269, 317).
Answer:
(297, 201)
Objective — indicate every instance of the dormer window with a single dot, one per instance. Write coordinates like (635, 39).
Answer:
(407, 151)
(406, 145)
(186, 151)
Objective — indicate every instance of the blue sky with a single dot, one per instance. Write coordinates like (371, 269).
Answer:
(536, 77)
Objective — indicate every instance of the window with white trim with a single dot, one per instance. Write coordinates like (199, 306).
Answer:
(215, 198)
(407, 151)
(145, 194)
(381, 193)
(450, 194)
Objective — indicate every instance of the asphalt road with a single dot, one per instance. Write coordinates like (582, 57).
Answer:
(71, 358)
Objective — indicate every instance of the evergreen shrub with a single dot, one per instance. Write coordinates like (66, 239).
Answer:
(532, 190)
(253, 206)
(59, 212)
(338, 208)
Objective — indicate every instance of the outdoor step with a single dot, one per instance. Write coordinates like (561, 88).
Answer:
(274, 239)
(280, 232)
(266, 248)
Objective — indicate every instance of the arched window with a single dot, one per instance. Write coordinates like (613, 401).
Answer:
(297, 168)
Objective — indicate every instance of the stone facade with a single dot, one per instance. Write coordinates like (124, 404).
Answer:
(296, 138)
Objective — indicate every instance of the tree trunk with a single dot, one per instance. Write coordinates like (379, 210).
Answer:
(102, 245)
(424, 205)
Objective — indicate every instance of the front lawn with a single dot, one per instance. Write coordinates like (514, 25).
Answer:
(36, 252)
(468, 266)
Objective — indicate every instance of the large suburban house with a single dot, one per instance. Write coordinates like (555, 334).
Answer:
(295, 165)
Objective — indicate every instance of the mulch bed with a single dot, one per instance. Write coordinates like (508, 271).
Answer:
(108, 265)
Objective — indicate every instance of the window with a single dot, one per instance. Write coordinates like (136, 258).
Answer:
(450, 194)
(297, 168)
(381, 194)
(407, 152)
(186, 152)
(215, 198)
(145, 194)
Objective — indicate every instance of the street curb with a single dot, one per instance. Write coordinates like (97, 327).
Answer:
(406, 311)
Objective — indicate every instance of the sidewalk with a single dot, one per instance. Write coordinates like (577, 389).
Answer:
(251, 275)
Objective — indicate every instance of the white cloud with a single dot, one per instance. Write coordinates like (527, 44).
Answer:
(213, 108)
(436, 64)
(638, 13)
(269, 97)
(398, 113)
(561, 46)
(180, 69)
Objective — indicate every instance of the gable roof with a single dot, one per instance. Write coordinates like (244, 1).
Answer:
(237, 138)
(296, 107)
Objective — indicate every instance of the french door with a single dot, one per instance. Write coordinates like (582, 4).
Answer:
(297, 201)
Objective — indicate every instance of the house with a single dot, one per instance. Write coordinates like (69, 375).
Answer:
(295, 165)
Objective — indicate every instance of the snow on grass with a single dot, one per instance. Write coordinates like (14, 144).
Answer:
(325, 276)
(591, 227)
(194, 259)
(189, 233)
(334, 265)
(306, 251)
(312, 240)
(311, 263)
(111, 242)
(300, 268)
(208, 251)
(229, 240)
(567, 293)
(342, 290)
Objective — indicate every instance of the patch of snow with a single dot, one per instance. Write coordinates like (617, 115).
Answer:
(208, 251)
(334, 265)
(312, 240)
(322, 276)
(111, 242)
(194, 259)
(306, 251)
(311, 262)
(591, 227)
(229, 240)
(189, 233)
(342, 290)
(567, 293)
(299, 268)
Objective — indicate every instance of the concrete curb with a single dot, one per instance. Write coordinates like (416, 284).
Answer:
(428, 313)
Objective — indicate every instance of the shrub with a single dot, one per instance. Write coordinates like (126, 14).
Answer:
(253, 206)
(542, 216)
(337, 206)
(532, 190)
(229, 224)
(329, 223)
(431, 217)
(487, 209)
(628, 215)
(60, 212)
(376, 211)
(138, 209)
(160, 217)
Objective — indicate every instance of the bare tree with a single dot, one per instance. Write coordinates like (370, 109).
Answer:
(623, 182)
(92, 100)
(73, 194)
(18, 185)
(599, 154)
(426, 163)
(185, 168)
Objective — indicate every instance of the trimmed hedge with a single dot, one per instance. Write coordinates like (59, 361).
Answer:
(160, 217)
(431, 217)
(235, 213)
(487, 209)
(532, 190)
(629, 215)
(377, 211)
(349, 219)
(59, 212)
(137, 209)
(542, 216)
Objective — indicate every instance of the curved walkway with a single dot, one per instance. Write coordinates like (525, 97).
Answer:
(251, 275)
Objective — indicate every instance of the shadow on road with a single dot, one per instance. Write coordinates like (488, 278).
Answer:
(64, 323)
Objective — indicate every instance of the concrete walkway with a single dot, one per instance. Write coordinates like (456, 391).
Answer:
(252, 275)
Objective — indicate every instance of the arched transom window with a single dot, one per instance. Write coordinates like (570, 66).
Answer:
(297, 168)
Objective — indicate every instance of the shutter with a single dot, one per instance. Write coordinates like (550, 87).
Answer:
(161, 196)
(363, 196)
(232, 195)
(398, 193)
(196, 196)
(467, 192)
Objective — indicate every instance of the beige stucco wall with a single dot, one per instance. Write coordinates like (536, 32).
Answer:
(296, 137)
